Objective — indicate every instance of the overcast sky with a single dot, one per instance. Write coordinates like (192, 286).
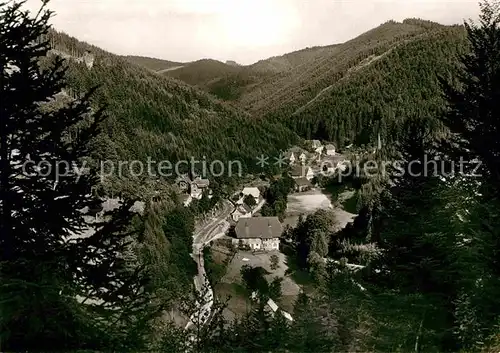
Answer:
(241, 30)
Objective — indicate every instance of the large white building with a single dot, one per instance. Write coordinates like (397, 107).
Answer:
(259, 233)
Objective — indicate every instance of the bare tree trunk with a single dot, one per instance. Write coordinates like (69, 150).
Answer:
(417, 340)
(5, 227)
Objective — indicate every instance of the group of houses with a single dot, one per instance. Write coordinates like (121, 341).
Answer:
(254, 233)
(315, 151)
(264, 233)
(324, 157)
(192, 188)
(243, 210)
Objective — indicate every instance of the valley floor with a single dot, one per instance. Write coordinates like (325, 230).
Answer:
(306, 203)
(231, 287)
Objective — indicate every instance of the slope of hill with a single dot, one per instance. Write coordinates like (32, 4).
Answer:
(224, 80)
(152, 63)
(289, 90)
(202, 72)
(277, 64)
(154, 116)
(335, 92)
(379, 92)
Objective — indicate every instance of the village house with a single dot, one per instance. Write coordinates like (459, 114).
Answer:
(242, 211)
(195, 187)
(258, 233)
(330, 150)
(255, 192)
(302, 184)
(302, 172)
(317, 146)
(272, 307)
(199, 185)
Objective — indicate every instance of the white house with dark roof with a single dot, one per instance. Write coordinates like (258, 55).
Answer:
(241, 211)
(301, 171)
(330, 150)
(259, 233)
(302, 184)
(198, 185)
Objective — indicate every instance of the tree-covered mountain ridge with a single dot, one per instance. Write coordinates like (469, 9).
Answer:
(154, 64)
(345, 92)
(333, 62)
(380, 91)
(150, 115)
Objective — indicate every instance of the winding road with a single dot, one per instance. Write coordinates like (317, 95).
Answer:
(203, 235)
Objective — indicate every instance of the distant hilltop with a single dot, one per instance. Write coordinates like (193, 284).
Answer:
(232, 63)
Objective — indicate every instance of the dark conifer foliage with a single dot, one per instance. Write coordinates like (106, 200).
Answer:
(474, 96)
(473, 115)
(49, 255)
(417, 271)
(152, 115)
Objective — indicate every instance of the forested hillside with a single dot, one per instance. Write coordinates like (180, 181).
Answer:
(345, 92)
(417, 270)
(150, 115)
(277, 64)
(285, 93)
(223, 80)
(340, 95)
(152, 63)
(382, 91)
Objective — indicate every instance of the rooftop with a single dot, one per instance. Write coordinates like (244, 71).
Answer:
(202, 183)
(251, 191)
(299, 171)
(244, 208)
(258, 227)
(302, 182)
(316, 143)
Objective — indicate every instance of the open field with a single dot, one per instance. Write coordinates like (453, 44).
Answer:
(231, 285)
(309, 202)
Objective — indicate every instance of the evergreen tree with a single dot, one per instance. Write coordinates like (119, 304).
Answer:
(473, 118)
(473, 113)
(412, 228)
(50, 255)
